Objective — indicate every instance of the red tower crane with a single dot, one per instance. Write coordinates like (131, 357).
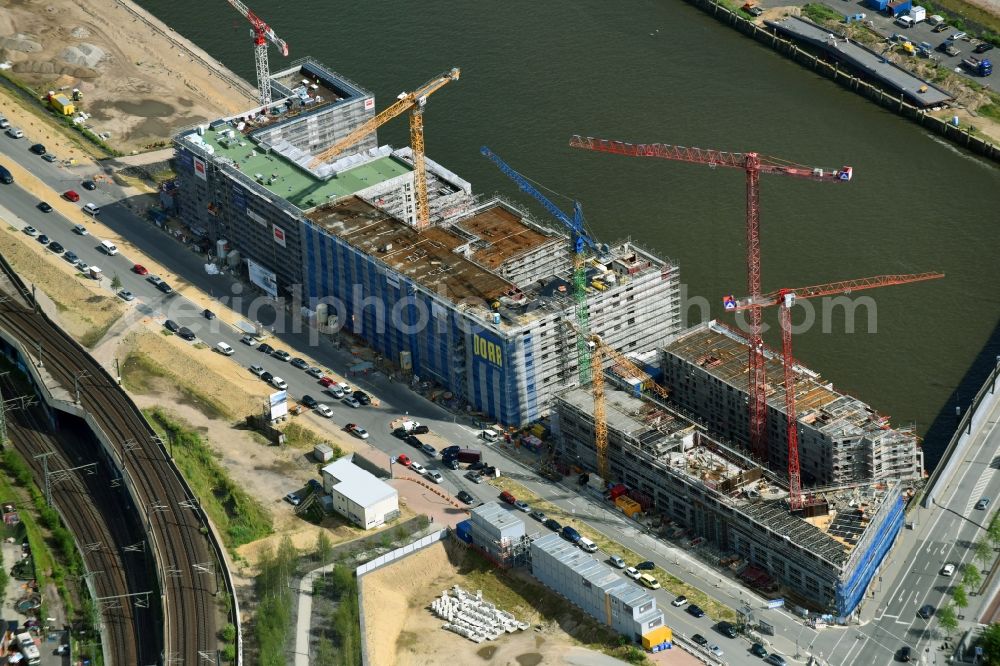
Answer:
(262, 33)
(785, 298)
(754, 165)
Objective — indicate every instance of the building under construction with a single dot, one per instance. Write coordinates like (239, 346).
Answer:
(480, 302)
(841, 439)
(824, 558)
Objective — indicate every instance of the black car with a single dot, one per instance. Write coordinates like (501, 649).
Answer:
(362, 397)
(695, 610)
(299, 363)
(172, 325)
(904, 653)
(726, 629)
(420, 430)
(465, 497)
(207, 314)
(186, 333)
(38, 149)
(982, 48)
(309, 401)
(926, 611)
(645, 566)
(265, 348)
(281, 355)
(450, 451)
(553, 525)
(413, 441)
(450, 463)
(700, 640)
(43, 239)
(758, 650)
(165, 288)
(44, 207)
(71, 257)
(400, 433)
(266, 376)
(56, 247)
(479, 464)
(775, 659)
(89, 185)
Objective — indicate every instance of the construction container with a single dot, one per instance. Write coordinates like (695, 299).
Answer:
(463, 531)
(661, 637)
(628, 505)
(617, 491)
(62, 104)
(644, 500)
(897, 7)
(323, 452)
(877, 5)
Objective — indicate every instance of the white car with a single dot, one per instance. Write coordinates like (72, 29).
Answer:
(352, 402)
(335, 391)
(279, 383)
(434, 475)
(417, 467)
(31, 231)
(323, 410)
(716, 650)
(679, 601)
(344, 386)
(632, 573)
(948, 569)
(14, 133)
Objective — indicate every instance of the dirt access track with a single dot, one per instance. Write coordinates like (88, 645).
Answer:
(141, 82)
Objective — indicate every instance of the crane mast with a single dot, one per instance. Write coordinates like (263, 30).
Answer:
(262, 34)
(753, 164)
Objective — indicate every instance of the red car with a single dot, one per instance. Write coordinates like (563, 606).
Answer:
(139, 269)
(403, 460)
(325, 381)
(70, 195)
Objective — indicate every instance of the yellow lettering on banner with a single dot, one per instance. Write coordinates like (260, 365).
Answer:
(487, 350)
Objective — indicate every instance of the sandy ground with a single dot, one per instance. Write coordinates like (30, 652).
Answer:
(401, 630)
(141, 82)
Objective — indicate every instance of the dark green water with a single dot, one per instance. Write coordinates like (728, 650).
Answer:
(534, 73)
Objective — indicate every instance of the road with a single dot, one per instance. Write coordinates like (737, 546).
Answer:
(943, 532)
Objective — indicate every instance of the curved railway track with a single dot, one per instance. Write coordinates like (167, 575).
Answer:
(91, 509)
(185, 561)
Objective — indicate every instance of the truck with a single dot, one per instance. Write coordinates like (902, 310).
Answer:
(977, 66)
(918, 14)
(28, 648)
(898, 7)
(469, 455)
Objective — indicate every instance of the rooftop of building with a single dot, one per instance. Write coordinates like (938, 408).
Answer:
(426, 257)
(722, 352)
(285, 179)
(492, 513)
(301, 89)
(668, 440)
(358, 485)
(503, 235)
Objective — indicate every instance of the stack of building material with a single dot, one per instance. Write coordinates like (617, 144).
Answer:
(470, 616)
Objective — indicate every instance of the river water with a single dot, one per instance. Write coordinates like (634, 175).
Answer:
(534, 73)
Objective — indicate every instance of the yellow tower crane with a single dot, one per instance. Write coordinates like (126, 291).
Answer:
(413, 102)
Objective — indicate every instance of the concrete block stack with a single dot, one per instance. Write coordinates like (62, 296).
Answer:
(469, 616)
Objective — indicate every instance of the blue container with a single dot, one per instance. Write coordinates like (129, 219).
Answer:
(464, 531)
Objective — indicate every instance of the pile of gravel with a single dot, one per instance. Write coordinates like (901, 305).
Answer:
(20, 42)
(83, 54)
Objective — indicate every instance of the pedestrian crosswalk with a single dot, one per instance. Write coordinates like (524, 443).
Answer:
(977, 492)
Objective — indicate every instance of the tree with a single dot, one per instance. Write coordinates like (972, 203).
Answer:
(991, 643)
(983, 551)
(971, 576)
(947, 619)
(116, 282)
(324, 547)
(959, 597)
(993, 533)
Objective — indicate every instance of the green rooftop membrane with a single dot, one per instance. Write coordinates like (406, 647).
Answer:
(292, 183)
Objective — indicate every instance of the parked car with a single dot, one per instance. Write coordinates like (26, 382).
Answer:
(43, 239)
(434, 475)
(475, 477)
(983, 47)
(299, 363)
(399, 433)
(323, 410)
(632, 573)
(357, 430)
(79, 230)
(31, 231)
(15, 133)
(248, 340)
(293, 499)
(164, 287)
(904, 653)
(126, 295)
(941, 27)
(449, 451)
(413, 441)
(38, 149)
(450, 462)
(83, 266)
(208, 314)
(538, 515)
(281, 355)
(695, 610)
(466, 497)
(351, 402)
(325, 382)
(758, 650)
(44, 207)
(679, 601)
(56, 247)
(71, 257)
(279, 383)
(309, 401)
(266, 376)
(645, 566)
(553, 525)
(70, 195)
(417, 467)
(174, 327)
(522, 506)
(926, 611)
(403, 460)
(617, 561)
(186, 333)
(362, 397)
(775, 659)
(428, 449)
(649, 581)
(727, 629)
(715, 649)
(265, 348)
(49, 157)
(88, 185)
(507, 497)
(139, 269)
(956, 36)
(478, 465)
(420, 430)
(335, 391)
(154, 280)
(700, 640)
(315, 371)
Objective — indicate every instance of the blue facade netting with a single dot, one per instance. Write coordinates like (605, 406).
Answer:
(850, 592)
(392, 316)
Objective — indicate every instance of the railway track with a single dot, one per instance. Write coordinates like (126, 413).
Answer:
(91, 509)
(186, 564)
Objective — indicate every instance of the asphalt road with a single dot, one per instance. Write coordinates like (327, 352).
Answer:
(943, 533)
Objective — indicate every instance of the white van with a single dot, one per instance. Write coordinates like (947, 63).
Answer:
(224, 349)
(490, 435)
(587, 545)
(91, 209)
(109, 248)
